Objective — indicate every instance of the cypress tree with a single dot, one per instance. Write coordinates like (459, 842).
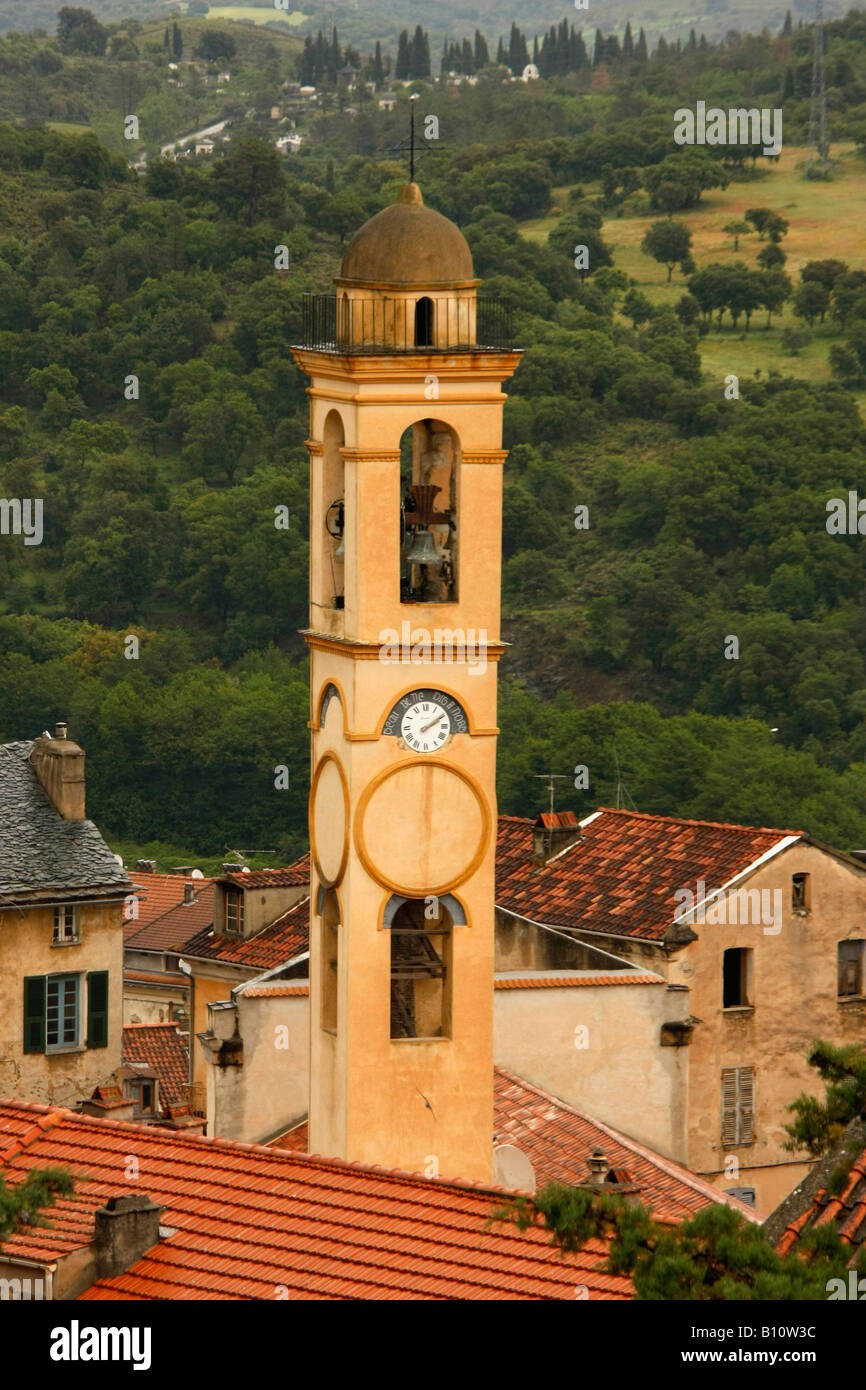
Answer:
(401, 71)
(598, 54)
(628, 43)
(518, 53)
(482, 53)
(641, 51)
(661, 49)
(177, 42)
(582, 57)
(166, 39)
(308, 70)
(500, 55)
(788, 26)
(378, 73)
(692, 44)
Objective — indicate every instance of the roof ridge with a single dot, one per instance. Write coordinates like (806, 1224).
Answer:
(51, 1117)
(685, 820)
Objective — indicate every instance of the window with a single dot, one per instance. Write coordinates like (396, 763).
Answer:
(801, 894)
(143, 1097)
(65, 923)
(424, 322)
(738, 1105)
(234, 912)
(736, 978)
(61, 1012)
(420, 971)
(329, 945)
(850, 968)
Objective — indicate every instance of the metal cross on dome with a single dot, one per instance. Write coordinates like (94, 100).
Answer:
(415, 151)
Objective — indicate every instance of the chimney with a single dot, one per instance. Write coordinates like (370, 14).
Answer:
(59, 765)
(124, 1228)
(232, 868)
(553, 832)
(188, 893)
(603, 1178)
(145, 866)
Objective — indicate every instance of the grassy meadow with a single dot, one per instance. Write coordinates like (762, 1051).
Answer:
(826, 220)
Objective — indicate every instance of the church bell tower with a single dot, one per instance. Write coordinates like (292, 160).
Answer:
(406, 365)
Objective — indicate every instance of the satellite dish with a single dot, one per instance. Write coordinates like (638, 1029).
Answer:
(511, 1168)
(196, 873)
(118, 859)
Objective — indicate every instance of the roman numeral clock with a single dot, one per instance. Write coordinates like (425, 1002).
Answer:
(406, 365)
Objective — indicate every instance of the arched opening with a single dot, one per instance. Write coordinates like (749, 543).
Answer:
(331, 581)
(428, 513)
(421, 969)
(424, 322)
(329, 952)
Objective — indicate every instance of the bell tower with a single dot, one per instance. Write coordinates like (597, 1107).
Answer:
(406, 365)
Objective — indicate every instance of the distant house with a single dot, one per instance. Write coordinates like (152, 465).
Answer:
(62, 895)
(387, 102)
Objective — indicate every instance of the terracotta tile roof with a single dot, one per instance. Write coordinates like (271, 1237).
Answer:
(248, 1219)
(295, 875)
(558, 1139)
(621, 876)
(274, 991)
(575, 979)
(847, 1212)
(163, 977)
(296, 1140)
(289, 936)
(159, 1045)
(170, 927)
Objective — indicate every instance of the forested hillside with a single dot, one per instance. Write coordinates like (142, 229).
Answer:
(149, 399)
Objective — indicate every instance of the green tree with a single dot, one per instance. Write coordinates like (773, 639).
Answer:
(716, 1255)
(250, 180)
(737, 228)
(811, 301)
(79, 31)
(21, 1203)
(215, 46)
(820, 1124)
(669, 242)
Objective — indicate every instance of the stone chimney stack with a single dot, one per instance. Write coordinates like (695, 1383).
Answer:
(553, 832)
(59, 765)
(124, 1228)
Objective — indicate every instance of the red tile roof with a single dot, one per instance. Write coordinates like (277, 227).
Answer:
(284, 939)
(295, 875)
(159, 1045)
(154, 977)
(296, 1140)
(170, 929)
(558, 1139)
(274, 991)
(621, 876)
(249, 1220)
(847, 1212)
(571, 981)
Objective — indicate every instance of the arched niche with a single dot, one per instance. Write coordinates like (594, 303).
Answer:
(429, 513)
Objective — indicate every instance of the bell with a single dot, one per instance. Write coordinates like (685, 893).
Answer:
(341, 548)
(423, 551)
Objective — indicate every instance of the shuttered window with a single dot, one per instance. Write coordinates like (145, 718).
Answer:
(850, 968)
(97, 1008)
(738, 1105)
(34, 1013)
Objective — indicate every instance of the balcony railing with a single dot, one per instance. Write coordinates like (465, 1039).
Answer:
(395, 324)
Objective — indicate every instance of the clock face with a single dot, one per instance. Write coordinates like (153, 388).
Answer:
(425, 726)
(425, 720)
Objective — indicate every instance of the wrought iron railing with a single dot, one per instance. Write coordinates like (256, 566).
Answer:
(403, 324)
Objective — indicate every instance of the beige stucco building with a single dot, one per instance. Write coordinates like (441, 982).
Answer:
(62, 895)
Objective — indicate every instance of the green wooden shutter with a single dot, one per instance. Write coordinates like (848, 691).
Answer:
(97, 1008)
(34, 1013)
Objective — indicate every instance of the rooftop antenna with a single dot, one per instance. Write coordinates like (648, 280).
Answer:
(817, 163)
(620, 785)
(550, 778)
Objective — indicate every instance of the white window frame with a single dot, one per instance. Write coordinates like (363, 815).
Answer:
(61, 983)
(67, 924)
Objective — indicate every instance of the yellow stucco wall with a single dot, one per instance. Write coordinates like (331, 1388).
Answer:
(795, 1002)
(26, 949)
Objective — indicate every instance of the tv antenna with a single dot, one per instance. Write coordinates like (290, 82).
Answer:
(411, 147)
(550, 778)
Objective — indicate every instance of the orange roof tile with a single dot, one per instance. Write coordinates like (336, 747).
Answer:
(170, 929)
(160, 1046)
(847, 1212)
(287, 937)
(274, 991)
(558, 1139)
(620, 878)
(248, 1220)
(295, 875)
(576, 980)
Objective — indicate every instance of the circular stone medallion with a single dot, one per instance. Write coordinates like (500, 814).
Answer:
(329, 820)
